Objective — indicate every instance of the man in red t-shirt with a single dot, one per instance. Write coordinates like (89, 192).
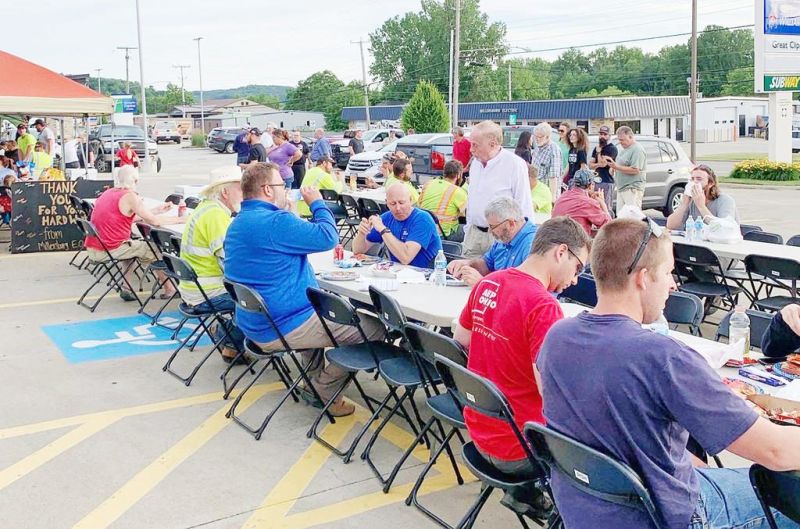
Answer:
(462, 149)
(582, 203)
(503, 325)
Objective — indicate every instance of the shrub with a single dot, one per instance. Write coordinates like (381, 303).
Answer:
(426, 110)
(198, 140)
(766, 170)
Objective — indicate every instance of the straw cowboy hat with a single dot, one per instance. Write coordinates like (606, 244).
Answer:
(221, 176)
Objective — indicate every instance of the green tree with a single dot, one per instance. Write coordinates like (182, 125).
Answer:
(416, 46)
(720, 51)
(326, 93)
(426, 111)
(268, 100)
(739, 82)
(609, 91)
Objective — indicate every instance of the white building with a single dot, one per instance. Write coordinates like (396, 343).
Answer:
(728, 118)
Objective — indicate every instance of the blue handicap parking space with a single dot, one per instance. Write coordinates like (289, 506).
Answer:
(117, 337)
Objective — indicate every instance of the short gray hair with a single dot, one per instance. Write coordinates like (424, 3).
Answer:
(458, 131)
(271, 125)
(504, 208)
(543, 129)
(490, 129)
(625, 130)
(125, 177)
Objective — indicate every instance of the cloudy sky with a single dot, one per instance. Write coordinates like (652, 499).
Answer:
(270, 42)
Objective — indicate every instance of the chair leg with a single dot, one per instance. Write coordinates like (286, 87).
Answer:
(393, 474)
(98, 279)
(523, 522)
(365, 455)
(472, 514)
(228, 389)
(217, 346)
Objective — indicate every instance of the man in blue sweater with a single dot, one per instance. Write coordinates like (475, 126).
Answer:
(783, 336)
(267, 248)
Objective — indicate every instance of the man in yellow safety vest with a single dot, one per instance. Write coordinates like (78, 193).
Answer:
(445, 198)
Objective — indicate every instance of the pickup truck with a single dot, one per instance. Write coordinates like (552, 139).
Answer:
(429, 153)
(100, 144)
(373, 141)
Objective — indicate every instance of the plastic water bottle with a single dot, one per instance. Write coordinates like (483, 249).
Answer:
(440, 270)
(740, 330)
(698, 228)
(690, 236)
(660, 326)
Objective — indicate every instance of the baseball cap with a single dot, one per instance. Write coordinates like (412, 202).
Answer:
(39, 121)
(22, 126)
(584, 178)
(323, 159)
(604, 129)
(256, 131)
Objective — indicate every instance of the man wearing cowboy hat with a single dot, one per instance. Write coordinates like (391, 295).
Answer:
(202, 246)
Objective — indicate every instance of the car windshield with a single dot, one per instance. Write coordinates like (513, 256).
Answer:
(122, 131)
(511, 137)
(391, 147)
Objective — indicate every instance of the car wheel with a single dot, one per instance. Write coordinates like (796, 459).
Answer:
(101, 165)
(177, 141)
(229, 147)
(674, 200)
(158, 165)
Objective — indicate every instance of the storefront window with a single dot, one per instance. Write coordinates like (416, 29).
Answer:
(635, 125)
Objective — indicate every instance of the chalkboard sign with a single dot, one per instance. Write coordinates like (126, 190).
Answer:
(42, 217)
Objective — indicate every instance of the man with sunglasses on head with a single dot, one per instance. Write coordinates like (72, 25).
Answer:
(604, 152)
(503, 325)
(266, 248)
(513, 235)
(637, 396)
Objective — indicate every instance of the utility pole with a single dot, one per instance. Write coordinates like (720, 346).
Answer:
(182, 67)
(200, 72)
(97, 71)
(693, 89)
(509, 81)
(456, 61)
(127, 58)
(450, 84)
(147, 166)
(360, 43)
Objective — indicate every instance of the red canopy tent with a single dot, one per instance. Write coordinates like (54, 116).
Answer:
(29, 89)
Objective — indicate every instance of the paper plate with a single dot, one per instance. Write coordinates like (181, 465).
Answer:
(339, 276)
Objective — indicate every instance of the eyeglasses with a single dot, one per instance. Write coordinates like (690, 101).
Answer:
(275, 185)
(494, 226)
(653, 230)
(581, 267)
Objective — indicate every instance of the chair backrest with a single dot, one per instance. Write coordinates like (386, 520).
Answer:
(87, 228)
(163, 240)
(88, 207)
(175, 198)
(350, 206)
(144, 229)
(777, 269)
(779, 490)
(180, 270)
(763, 236)
(759, 323)
(329, 195)
(176, 243)
(192, 202)
(368, 207)
(691, 255)
(427, 344)
(452, 248)
(583, 292)
(590, 471)
(660, 221)
(794, 240)
(250, 300)
(744, 229)
(388, 310)
(683, 308)
(76, 202)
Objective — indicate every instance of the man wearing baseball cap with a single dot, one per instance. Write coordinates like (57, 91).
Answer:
(258, 153)
(599, 163)
(320, 176)
(25, 143)
(582, 203)
(202, 247)
(241, 146)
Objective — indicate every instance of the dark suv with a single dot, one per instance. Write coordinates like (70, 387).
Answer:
(221, 138)
(100, 142)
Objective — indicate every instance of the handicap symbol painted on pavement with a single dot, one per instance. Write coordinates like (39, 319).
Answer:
(117, 337)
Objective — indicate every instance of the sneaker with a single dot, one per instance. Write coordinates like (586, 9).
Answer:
(309, 397)
(229, 354)
(539, 508)
(127, 295)
(341, 408)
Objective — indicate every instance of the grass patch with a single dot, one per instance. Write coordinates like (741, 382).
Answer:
(739, 157)
(751, 181)
(198, 140)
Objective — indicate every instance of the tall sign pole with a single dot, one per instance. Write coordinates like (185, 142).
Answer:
(127, 60)
(200, 73)
(360, 43)
(693, 87)
(456, 61)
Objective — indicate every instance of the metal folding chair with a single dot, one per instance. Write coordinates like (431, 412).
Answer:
(368, 207)
(590, 471)
(584, 292)
(77, 205)
(683, 308)
(744, 229)
(763, 236)
(777, 272)
(164, 241)
(794, 240)
(777, 490)
(156, 266)
(109, 267)
(700, 273)
(759, 323)
(452, 250)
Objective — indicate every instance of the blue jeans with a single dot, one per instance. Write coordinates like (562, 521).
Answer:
(727, 501)
(235, 338)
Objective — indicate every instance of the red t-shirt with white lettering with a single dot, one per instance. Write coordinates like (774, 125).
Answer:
(509, 313)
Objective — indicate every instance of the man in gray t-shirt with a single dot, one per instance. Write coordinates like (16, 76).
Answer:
(702, 198)
(46, 136)
(630, 170)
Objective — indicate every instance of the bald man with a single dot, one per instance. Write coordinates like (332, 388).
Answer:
(409, 233)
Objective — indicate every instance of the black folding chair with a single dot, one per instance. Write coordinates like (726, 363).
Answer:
(683, 308)
(744, 229)
(445, 410)
(156, 266)
(759, 323)
(365, 356)
(175, 198)
(777, 272)
(77, 205)
(352, 219)
(403, 371)
(777, 490)
(584, 292)
(794, 240)
(110, 267)
(590, 471)
(763, 236)
(180, 271)
(192, 202)
(249, 300)
(700, 273)
(163, 241)
(368, 207)
(482, 396)
(452, 250)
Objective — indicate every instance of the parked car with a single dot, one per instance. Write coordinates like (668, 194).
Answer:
(796, 140)
(511, 134)
(166, 131)
(221, 138)
(429, 152)
(100, 143)
(373, 141)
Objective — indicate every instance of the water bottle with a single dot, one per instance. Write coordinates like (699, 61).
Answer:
(660, 326)
(690, 228)
(699, 226)
(740, 330)
(440, 270)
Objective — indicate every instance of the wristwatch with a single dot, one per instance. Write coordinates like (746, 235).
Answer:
(384, 231)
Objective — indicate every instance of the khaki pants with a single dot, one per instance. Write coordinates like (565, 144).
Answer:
(311, 335)
(630, 196)
(131, 249)
(476, 242)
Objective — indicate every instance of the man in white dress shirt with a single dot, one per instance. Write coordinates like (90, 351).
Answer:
(494, 172)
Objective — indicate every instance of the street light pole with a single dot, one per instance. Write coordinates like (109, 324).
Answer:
(450, 84)
(456, 61)
(146, 161)
(509, 81)
(182, 67)
(127, 58)
(200, 73)
(97, 71)
(360, 43)
(693, 89)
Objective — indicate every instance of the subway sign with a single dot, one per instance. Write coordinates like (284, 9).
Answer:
(781, 83)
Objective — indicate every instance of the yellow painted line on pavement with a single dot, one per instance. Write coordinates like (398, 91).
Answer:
(35, 460)
(27, 429)
(149, 477)
(45, 302)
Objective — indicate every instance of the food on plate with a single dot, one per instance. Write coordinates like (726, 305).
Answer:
(339, 276)
(779, 410)
(365, 259)
(741, 388)
(789, 369)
